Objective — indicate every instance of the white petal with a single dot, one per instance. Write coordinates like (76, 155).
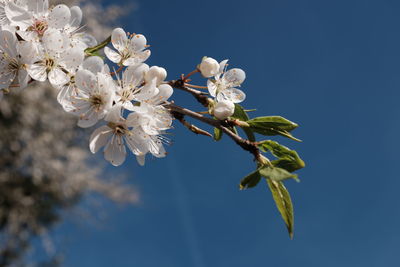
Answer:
(27, 51)
(8, 43)
(119, 39)
(115, 151)
(133, 76)
(18, 16)
(141, 159)
(38, 6)
(23, 78)
(88, 119)
(148, 91)
(114, 114)
(59, 17)
(99, 138)
(37, 72)
(93, 64)
(54, 40)
(222, 65)
(137, 59)
(232, 94)
(138, 42)
(86, 81)
(212, 88)
(165, 92)
(135, 143)
(234, 77)
(76, 17)
(157, 148)
(112, 55)
(72, 58)
(57, 77)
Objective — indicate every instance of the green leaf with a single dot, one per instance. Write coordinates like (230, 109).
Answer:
(272, 126)
(250, 180)
(290, 166)
(284, 203)
(217, 134)
(288, 159)
(274, 122)
(276, 174)
(240, 114)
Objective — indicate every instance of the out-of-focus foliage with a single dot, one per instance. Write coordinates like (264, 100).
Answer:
(44, 158)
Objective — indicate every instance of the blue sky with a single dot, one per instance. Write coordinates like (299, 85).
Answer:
(331, 66)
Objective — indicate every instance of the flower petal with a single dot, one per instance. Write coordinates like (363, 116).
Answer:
(76, 18)
(57, 77)
(112, 55)
(37, 72)
(99, 138)
(59, 16)
(93, 64)
(115, 151)
(119, 39)
(232, 94)
(234, 77)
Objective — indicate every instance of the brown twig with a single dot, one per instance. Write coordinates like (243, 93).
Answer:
(181, 118)
(201, 97)
(222, 125)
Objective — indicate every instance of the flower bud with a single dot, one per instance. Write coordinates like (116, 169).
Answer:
(224, 109)
(209, 67)
(156, 72)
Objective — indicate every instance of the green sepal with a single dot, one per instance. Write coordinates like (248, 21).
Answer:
(250, 180)
(284, 204)
(217, 134)
(276, 174)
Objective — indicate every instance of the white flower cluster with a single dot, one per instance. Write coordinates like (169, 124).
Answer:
(39, 43)
(223, 86)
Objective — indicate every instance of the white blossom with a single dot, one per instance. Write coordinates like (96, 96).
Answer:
(14, 56)
(55, 59)
(130, 49)
(96, 93)
(33, 18)
(223, 87)
(70, 90)
(118, 133)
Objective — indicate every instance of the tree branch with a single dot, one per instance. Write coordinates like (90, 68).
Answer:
(222, 125)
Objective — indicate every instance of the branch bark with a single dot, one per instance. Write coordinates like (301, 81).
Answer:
(222, 125)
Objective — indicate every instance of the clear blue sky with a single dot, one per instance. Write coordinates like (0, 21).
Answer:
(331, 66)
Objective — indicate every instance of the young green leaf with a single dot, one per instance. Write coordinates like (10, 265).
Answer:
(280, 151)
(240, 114)
(273, 122)
(217, 134)
(284, 204)
(289, 165)
(276, 174)
(250, 180)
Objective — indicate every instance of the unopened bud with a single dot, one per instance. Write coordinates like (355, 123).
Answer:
(209, 67)
(224, 109)
(156, 72)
